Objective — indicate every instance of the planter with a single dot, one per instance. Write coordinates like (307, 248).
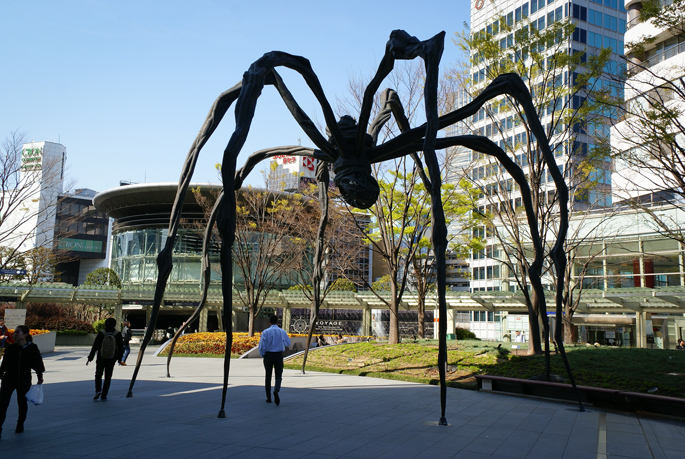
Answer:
(296, 345)
(45, 342)
(76, 340)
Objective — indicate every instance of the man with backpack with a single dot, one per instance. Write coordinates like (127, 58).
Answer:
(109, 347)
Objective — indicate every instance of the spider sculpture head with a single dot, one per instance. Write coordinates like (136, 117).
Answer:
(353, 176)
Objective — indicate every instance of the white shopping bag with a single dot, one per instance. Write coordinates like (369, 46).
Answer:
(35, 394)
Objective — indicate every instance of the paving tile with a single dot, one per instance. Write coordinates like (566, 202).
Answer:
(628, 450)
(674, 453)
(570, 453)
(627, 438)
(635, 429)
(511, 452)
(484, 444)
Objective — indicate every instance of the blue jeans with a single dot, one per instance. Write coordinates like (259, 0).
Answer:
(127, 351)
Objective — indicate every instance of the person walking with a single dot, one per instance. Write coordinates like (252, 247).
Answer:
(126, 335)
(5, 337)
(109, 347)
(272, 343)
(20, 358)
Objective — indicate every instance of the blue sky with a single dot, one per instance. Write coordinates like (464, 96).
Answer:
(126, 85)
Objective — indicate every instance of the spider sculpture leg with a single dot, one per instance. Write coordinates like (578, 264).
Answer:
(402, 46)
(261, 72)
(164, 259)
(513, 86)
(216, 113)
(322, 179)
(206, 278)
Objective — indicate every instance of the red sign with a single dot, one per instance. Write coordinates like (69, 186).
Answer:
(286, 159)
(308, 163)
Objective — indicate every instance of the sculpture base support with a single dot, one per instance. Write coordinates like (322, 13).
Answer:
(443, 421)
(222, 414)
(129, 395)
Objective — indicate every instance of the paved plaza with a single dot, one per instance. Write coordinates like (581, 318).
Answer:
(321, 416)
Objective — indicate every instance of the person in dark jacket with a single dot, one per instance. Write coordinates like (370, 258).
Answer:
(20, 358)
(104, 363)
(5, 337)
(126, 335)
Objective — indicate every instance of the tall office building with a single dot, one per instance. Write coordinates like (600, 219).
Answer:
(598, 24)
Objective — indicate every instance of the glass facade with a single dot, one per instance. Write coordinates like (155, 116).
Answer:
(134, 255)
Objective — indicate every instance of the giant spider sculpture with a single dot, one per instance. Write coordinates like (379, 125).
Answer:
(351, 149)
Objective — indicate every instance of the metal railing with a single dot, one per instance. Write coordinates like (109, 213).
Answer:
(634, 69)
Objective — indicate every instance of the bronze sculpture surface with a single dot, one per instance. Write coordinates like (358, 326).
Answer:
(351, 149)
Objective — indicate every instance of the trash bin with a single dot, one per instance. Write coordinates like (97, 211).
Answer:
(451, 336)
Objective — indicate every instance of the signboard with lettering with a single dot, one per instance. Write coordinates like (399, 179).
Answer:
(13, 272)
(14, 317)
(286, 159)
(31, 159)
(80, 245)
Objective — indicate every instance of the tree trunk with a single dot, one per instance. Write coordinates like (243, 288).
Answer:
(394, 326)
(534, 343)
(250, 323)
(421, 306)
(568, 326)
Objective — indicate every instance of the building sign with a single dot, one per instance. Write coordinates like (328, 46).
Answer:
(80, 245)
(286, 159)
(481, 3)
(13, 272)
(308, 163)
(31, 159)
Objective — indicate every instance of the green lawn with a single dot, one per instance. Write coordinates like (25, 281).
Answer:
(636, 370)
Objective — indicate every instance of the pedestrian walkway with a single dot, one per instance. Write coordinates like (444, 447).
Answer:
(321, 416)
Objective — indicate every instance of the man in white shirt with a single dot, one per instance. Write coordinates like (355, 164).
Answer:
(520, 337)
(272, 343)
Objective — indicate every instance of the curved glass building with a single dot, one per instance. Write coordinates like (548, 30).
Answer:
(141, 218)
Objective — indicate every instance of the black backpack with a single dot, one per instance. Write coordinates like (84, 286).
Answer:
(108, 348)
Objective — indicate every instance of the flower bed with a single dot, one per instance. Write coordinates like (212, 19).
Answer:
(32, 333)
(213, 343)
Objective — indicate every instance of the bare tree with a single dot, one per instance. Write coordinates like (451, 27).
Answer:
(268, 243)
(400, 218)
(562, 83)
(343, 248)
(649, 151)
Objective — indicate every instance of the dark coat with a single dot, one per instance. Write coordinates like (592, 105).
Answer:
(98, 343)
(18, 362)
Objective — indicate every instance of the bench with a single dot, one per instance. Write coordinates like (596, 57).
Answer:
(632, 401)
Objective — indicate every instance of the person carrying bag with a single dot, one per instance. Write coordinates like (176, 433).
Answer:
(20, 358)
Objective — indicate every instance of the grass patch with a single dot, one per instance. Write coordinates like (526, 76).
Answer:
(635, 370)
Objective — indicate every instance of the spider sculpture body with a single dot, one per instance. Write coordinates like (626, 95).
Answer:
(351, 148)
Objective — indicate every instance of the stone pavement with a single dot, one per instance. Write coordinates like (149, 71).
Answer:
(321, 416)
